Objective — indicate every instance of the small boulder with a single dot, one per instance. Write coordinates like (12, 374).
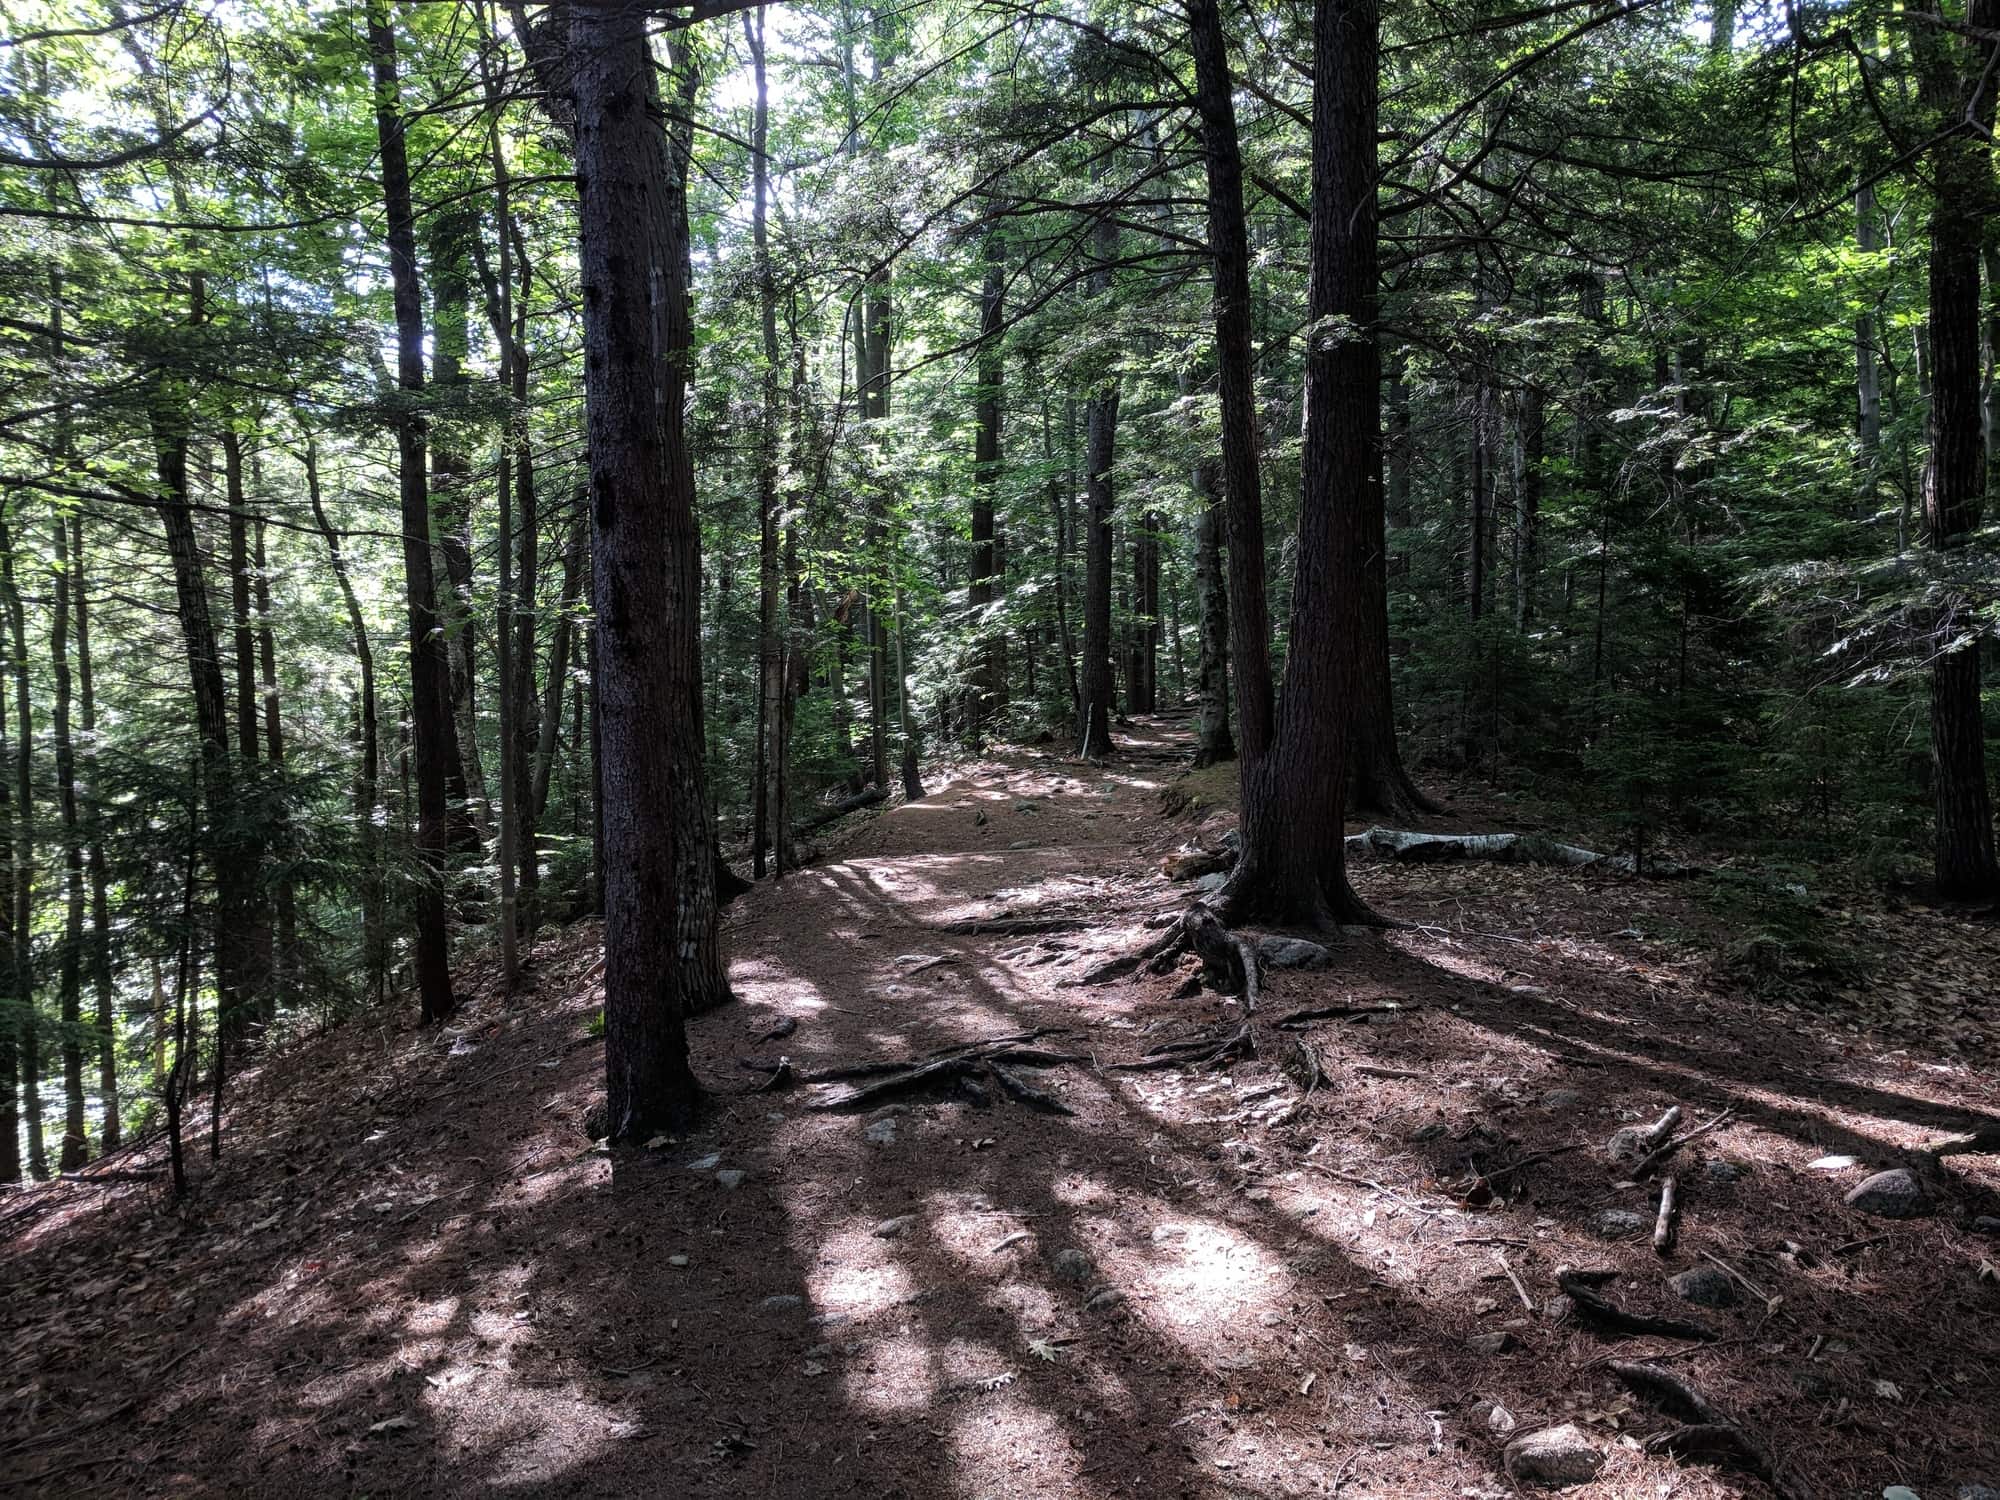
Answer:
(1555, 1456)
(781, 1302)
(1292, 953)
(1620, 1224)
(1072, 1265)
(882, 1132)
(1900, 1492)
(1561, 1099)
(1894, 1194)
(1103, 1299)
(890, 1229)
(1705, 1286)
(1491, 1343)
(729, 1179)
(1723, 1171)
(1492, 1416)
(706, 1163)
(1986, 1224)
(1977, 1491)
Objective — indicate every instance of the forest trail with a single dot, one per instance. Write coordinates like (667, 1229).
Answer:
(411, 1273)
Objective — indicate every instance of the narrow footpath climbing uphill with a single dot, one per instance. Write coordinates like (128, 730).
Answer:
(1506, 1196)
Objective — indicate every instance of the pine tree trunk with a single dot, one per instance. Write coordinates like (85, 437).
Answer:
(104, 987)
(1100, 441)
(29, 1049)
(285, 973)
(646, 566)
(1954, 82)
(243, 637)
(76, 1139)
(1293, 863)
(369, 815)
(433, 745)
(990, 373)
(1229, 246)
(766, 816)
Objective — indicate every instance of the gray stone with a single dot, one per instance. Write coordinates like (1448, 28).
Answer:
(1621, 1223)
(706, 1163)
(1706, 1287)
(882, 1132)
(1103, 1299)
(1900, 1492)
(1628, 1145)
(1210, 884)
(1292, 953)
(1977, 1491)
(1986, 1224)
(1723, 1171)
(1894, 1194)
(1026, 807)
(729, 1179)
(781, 1302)
(1490, 1343)
(1072, 1265)
(1562, 1099)
(1022, 844)
(890, 1229)
(1554, 1456)
(1492, 1416)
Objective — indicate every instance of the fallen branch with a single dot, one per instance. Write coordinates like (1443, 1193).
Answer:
(1664, 1153)
(1663, 1227)
(1595, 1308)
(1520, 1291)
(841, 809)
(1521, 1165)
(1983, 1142)
(1507, 849)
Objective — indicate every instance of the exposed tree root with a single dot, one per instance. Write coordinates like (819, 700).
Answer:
(1985, 1142)
(1708, 1435)
(1338, 1013)
(972, 926)
(1594, 1308)
(1029, 1095)
(951, 1063)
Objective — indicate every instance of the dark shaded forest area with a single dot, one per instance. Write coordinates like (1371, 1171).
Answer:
(1046, 746)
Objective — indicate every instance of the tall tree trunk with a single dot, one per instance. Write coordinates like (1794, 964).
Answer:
(1213, 741)
(76, 1139)
(244, 643)
(103, 986)
(1293, 862)
(1959, 91)
(1229, 247)
(1529, 454)
(432, 739)
(990, 373)
(1101, 435)
(646, 564)
(369, 815)
(768, 823)
(451, 234)
(286, 970)
(1867, 367)
(28, 1030)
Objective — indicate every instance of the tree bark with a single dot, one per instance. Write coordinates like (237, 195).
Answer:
(1955, 83)
(646, 565)
(432, 740)
(768, 826)
(1293, 863)
(76, 1139)
(1229, 247)
(105, 1020)
(28, 1032)
(990, 373)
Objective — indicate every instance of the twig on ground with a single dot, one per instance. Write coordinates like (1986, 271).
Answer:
(1520, 1291)
(1664, 1153)
(1663, 1228)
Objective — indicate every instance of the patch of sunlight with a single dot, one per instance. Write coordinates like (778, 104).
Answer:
(1003, 1444)
(1206, 1276)
(898, 1377)
(433, 1317)
(856, 1277)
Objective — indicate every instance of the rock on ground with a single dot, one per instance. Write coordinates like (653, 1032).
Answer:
(1894, 1194)
(1554, 1456)
(1292, 953)
(1621, 1223)
(1706, 1287)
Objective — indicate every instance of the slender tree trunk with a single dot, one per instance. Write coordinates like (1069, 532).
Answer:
(1530, 453)
(1293, 862)
(286, 970)
(29, 1030)
(369, 815)
(768, 827)
(1867, 366)
(76, 1139)
(432, 739)
(1229, 246)
(14, 1000)
(105, 1020)
(990, 373)
(1101, 435)
(244, 644)
(646, 563)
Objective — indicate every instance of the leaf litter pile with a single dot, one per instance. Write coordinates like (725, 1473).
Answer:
(1547, 1187)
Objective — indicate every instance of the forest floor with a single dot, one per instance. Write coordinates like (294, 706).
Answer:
(411, 1273)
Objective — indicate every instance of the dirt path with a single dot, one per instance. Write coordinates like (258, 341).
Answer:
(412, 1275)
